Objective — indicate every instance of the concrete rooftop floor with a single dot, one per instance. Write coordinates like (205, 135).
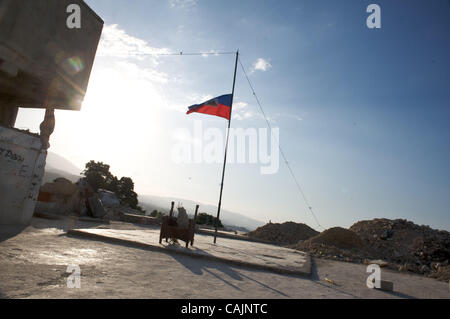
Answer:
(34, 262)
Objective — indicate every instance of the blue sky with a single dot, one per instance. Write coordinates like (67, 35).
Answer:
(363, 113)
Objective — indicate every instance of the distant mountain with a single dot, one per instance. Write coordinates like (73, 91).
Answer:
(58, 166)
(57, 162)
(228, 218)
(52, 174)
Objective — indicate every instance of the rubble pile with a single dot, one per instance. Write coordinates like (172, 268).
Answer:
(61, 197)
(407, 246)
(400, 244)
(285, 234)
(335, 243)
(336, 236)
(111, 204)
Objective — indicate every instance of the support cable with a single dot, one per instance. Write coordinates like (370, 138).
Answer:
(281, 150)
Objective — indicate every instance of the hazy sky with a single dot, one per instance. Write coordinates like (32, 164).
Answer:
(363, 113)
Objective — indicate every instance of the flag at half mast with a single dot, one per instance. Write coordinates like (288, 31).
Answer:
(218, 106)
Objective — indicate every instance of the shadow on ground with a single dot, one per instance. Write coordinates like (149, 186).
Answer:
(9, 231)
(65, 223)
(197, 269)
(316, 279)
(193, 264)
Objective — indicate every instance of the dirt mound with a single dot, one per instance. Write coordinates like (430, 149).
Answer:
(335, 243)
(286, 233)
(441, 273)
(60, 197)
(402, 244)
(60, 188)
(415, 248)
(338, 237)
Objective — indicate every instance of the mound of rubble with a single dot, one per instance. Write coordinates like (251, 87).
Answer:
(285, 234)
(408, 246)
(336, 236)
(335, 243)
(400, 244)
(62, 197)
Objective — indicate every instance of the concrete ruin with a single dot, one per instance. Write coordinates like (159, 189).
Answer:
(59, 197)
(22, 162)
(43, 64)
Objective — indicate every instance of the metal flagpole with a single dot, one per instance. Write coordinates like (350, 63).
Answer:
(226, 148)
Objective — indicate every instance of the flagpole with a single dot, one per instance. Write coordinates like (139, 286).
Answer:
(226, 149)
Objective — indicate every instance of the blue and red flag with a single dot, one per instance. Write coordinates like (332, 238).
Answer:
(218, 106)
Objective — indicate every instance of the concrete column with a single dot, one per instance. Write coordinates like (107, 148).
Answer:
(8, 115)
(22, 164)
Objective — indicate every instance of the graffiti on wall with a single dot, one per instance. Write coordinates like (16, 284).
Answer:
(22, 164)
(10, 155)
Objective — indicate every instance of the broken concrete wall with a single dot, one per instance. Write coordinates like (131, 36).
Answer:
(139, 219)
(59, 197)
(22, 163)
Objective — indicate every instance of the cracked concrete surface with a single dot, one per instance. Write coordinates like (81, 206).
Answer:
(237, 252)
(34, 260)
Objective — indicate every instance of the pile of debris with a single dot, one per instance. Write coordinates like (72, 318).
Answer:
(335, 243)
(407, 246)
(336, 236)
(283, 234)
(62, 197)
(400, 244)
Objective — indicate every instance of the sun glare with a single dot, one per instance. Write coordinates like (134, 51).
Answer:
(121, 111)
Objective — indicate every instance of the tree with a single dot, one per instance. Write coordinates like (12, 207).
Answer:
(99, 177)
(206, 219)
(156, 214)
(126, 192)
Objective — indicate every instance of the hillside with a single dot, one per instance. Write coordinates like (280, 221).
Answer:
(227, 217)
(58, 166)
(61, 164)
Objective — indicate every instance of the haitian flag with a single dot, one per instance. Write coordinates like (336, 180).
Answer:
(218, 106)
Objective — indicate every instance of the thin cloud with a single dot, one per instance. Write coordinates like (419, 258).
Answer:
(243, 111)
(240, 111)
(239, 105)
(146, 74)
(182, 3)
(125, 49)
(261, 65)
(244, 116)
(115, 42)
(214, 52)
(287, 115)
(128, 54)
(292, 116)
(199, 98)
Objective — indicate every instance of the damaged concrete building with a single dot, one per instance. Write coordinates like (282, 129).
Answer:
(44, 63)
